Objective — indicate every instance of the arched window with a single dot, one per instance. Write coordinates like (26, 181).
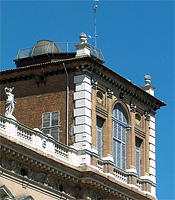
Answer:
(119, 123)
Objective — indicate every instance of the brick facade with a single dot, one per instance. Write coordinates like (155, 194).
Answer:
(94, 90)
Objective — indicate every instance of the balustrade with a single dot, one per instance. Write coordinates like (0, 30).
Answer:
(120, 175)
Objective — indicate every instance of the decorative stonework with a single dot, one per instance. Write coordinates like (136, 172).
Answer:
(100, 97)
(10, 102)
(94, 84)
(133, 107)
(147, 115)
(110, 93)
(138, 119)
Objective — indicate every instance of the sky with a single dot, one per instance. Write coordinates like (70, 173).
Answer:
(135, 37)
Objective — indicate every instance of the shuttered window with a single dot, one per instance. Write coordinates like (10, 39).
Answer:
(99, 136)
(137, 155)
(119, 123)
(50, 124)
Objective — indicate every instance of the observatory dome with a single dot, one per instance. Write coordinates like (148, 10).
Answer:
(44, 47)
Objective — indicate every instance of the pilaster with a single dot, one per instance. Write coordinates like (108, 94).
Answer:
(82, 112)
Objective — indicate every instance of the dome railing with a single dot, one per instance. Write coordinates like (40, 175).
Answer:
(65, 47)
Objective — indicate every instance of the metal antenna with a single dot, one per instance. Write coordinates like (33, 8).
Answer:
(95, 32)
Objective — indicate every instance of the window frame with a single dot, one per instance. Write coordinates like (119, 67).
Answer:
(51, 127)
(99, 149)
(122, 125)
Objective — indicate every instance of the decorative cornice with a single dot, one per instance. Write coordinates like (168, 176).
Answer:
(94, 84)
(110, 93)
(147, 115)
(133, 107)
(140, 133)
(101, 111)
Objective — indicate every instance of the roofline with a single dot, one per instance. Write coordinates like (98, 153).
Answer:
(161, 103)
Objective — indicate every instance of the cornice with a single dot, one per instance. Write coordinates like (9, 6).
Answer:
(89, 65)
(105, 184)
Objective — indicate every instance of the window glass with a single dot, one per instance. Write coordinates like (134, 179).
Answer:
(119, 123)
(50, 124)
(99, 135)
(137, 155)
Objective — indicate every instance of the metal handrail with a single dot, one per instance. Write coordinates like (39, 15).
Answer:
(66, 47)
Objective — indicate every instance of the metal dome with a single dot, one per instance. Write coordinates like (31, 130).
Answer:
(44, 47)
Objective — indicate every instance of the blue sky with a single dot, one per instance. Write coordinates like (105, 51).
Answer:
(135, 37)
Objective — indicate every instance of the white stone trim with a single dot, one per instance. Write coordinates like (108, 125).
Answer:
(82, 79)
(83, 136)
(152, 125)
(152, 133)
(152, 148)
(82, 95)
(82, 112)
(82, 129)
(83, 120)
(82, 103)
(152, 155)
(83, 87)
(152, 163)
(151, 140)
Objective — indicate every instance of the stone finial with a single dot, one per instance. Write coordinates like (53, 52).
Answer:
(147, 79)
(83, 38)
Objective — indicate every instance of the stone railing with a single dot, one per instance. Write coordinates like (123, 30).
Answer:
(100, 165)
(120, 175)
(139, 184)
(36, 139)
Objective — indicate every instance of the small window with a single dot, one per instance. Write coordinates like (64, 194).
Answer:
(50, 124)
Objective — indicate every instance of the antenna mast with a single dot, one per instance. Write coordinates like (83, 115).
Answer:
(95, 32)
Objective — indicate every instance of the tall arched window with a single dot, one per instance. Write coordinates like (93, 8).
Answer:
(119, 123)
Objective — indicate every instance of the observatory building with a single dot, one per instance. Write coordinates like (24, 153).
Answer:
(71, 128)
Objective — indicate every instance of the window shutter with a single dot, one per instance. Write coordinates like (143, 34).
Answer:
(55, 118)
(46, 131)
(137, 155)
(50, 124)
(55, 133)
(114, 151)
(46, 120)
(118, 154)
(99, 136)
(119, 122)
(123, 156)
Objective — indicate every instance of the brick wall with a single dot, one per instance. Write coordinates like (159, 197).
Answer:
(33, 99)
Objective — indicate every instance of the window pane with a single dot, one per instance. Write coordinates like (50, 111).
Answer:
(114, 150)
(137, 155)
(46, 131)
(123, 157)
(55, 118)
(55, 133)
(123, 134)
(99, 136)
(119, 131)
(119, 137)
(118, 154)
(115, 124)
(46, 120)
